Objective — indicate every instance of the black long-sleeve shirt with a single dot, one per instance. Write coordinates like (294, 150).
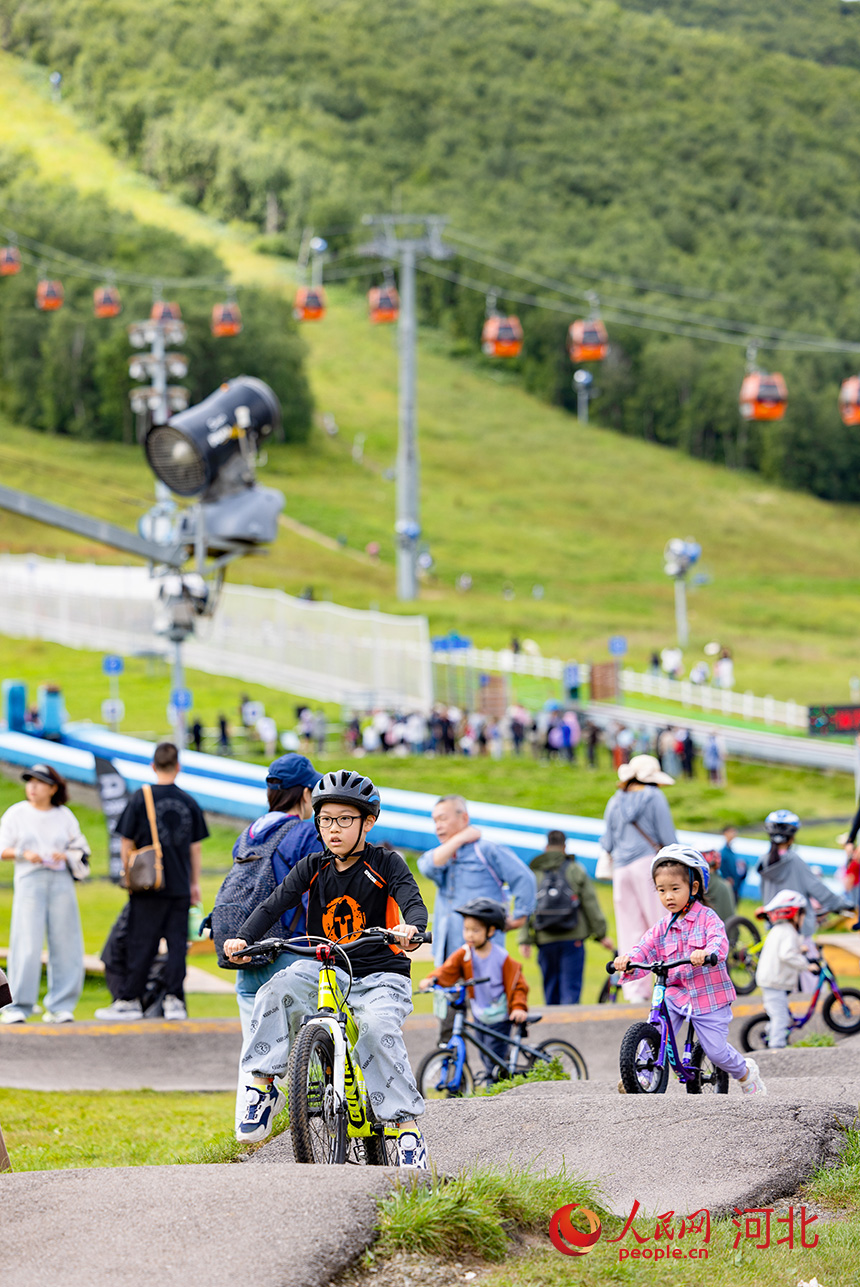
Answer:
(342, 903)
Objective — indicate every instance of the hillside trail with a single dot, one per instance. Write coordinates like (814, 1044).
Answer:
(675, 1152)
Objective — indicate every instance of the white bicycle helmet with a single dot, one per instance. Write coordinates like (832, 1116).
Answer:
(684, 856)
(783, 906)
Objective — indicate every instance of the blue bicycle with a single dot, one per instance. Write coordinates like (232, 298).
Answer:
(445, 1073)
(649, 1050)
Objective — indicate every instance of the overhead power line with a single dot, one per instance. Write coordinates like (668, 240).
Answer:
(630, 313)
(74, 266)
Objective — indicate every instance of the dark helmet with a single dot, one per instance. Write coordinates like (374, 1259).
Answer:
(487, 910)
(346, 787)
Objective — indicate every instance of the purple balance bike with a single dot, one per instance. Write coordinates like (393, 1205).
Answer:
(649, 1049)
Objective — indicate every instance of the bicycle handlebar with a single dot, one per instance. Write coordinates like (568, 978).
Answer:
(306, 945)
(657, 966)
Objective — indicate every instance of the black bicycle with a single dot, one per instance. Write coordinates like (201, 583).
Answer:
(445, 1073)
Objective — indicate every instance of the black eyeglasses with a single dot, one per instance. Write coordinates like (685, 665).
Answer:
(344, 821)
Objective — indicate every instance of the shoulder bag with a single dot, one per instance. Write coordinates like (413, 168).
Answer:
(144, 871)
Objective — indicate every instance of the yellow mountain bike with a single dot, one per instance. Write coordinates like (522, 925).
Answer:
(331, 1117)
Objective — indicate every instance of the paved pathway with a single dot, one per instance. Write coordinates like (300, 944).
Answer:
(128, 1227)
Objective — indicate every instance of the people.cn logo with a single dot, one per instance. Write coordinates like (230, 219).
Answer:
(565, 1236)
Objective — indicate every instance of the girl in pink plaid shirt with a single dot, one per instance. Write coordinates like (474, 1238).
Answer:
(693, 931)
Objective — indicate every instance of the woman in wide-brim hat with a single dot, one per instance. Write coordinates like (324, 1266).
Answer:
(38, 835)
(637, 823)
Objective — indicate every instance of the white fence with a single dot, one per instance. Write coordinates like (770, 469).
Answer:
(719, 701)
(316, 650)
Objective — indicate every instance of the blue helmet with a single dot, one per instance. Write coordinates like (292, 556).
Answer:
(781, 825)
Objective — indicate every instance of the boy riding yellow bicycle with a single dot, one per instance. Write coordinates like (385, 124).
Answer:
(349, 885)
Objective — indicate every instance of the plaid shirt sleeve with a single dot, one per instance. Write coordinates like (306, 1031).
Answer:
(707, 987)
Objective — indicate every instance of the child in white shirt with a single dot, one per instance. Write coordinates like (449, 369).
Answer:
(781, 960)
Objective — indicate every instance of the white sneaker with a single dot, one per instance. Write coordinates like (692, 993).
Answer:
(753, 1085)
(124, 1010)
(172, 1009)
(261, 1109)
(411, 1149)
(11, 1015)
(58, 1016)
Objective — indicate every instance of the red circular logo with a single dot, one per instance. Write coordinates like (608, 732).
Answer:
(565, 1236)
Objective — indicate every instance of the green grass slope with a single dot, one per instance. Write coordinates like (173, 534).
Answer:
(514, 492)
(568, 136)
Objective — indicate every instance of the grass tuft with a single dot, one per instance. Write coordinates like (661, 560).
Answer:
(552, 1071)
(839, 1186)
(472, 1214)
(814, 1039)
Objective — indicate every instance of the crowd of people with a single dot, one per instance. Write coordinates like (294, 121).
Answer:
(307, 866)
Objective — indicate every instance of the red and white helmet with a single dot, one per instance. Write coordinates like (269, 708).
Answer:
(784, 906)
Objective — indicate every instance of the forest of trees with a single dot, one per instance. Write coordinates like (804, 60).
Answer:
(67, 371)
(567, 136)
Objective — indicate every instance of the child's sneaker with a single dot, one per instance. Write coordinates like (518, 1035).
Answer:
(753, 1084)
(411, 1149)
(261, 1109)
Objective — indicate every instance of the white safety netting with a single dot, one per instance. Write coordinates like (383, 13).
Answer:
(315, 650)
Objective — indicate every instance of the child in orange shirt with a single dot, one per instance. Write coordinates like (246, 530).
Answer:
(503, 999)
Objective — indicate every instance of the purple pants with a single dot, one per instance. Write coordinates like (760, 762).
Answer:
(712, 1031)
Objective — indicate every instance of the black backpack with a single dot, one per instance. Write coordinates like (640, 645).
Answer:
(557, 907)
(248, 883)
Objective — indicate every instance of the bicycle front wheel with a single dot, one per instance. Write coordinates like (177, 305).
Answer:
(709, 1079)
(436, 1075)
(754, 1033)
(843, 1016)
(741, 961)
(641, 1074)
(568, 1056)
(317, 1125)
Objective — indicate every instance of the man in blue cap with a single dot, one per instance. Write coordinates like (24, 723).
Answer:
(280, 837)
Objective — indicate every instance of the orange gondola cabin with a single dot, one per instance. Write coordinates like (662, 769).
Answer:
(587, 340)
(165, 311)
(226, 320)
(383, 304)
(49, 295)
(502, 337)
(763, 396)
(10, 261)
(849, 400)
(309, 304)
(106, 301)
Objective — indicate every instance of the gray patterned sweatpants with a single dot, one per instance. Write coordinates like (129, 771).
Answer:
(380, 1003)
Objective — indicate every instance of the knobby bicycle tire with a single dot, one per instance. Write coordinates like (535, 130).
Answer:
(640, 1047)
(754, 1033)
(569, 1057)
(834, 1016)
(437, 1067)
(742, 935)
(709, 1080)
(318, 1132)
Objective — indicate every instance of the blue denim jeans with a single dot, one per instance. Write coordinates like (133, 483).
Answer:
(561, 965)
(45, 906)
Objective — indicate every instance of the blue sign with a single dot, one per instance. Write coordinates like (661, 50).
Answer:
(618, 645)
(181, 699)
(113, 665)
